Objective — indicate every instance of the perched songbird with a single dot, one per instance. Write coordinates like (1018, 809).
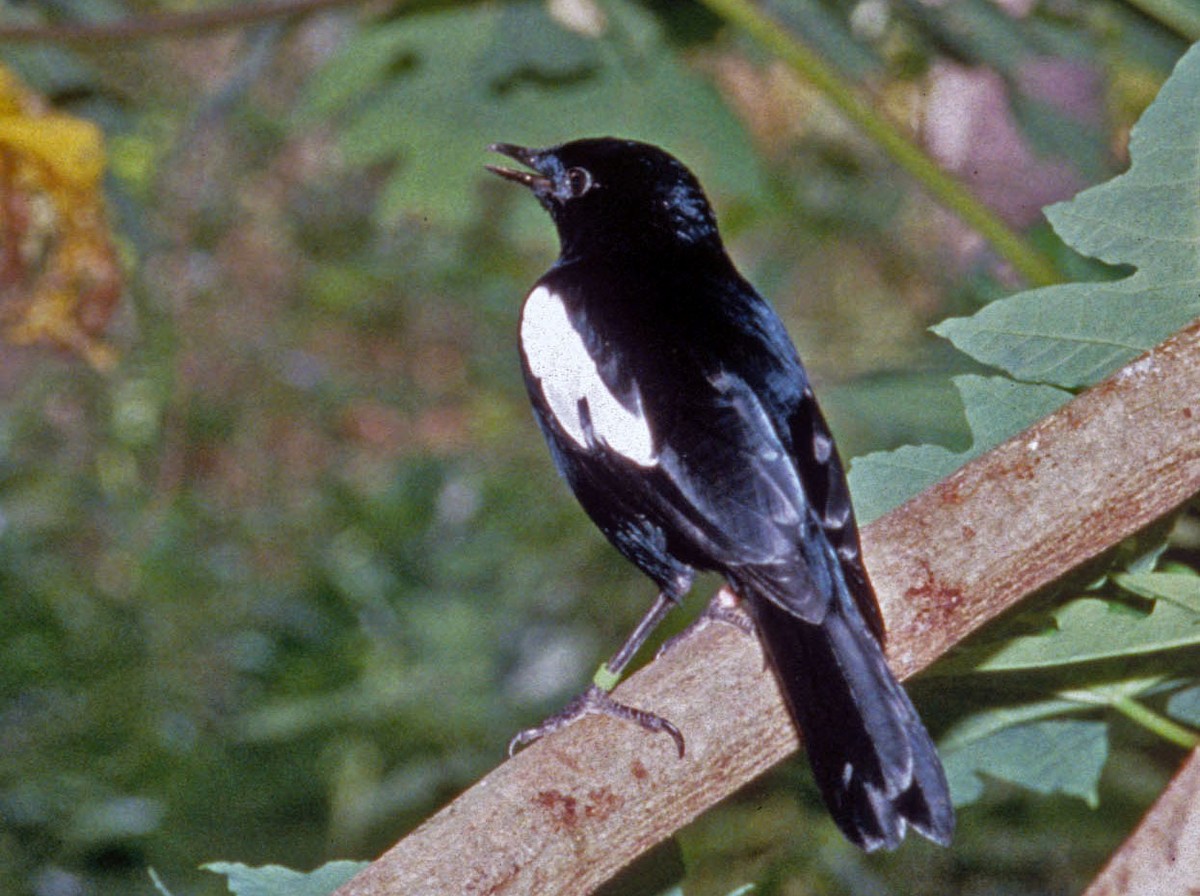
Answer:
(678, 411)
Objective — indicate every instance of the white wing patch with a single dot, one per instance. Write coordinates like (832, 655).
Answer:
(558, 358)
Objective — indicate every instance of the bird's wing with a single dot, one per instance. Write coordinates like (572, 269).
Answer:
(706, 451)
(580, 386)
(728, 472)
(781, 377)
(825, 484)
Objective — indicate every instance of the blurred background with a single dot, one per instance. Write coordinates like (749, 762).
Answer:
(283, 559)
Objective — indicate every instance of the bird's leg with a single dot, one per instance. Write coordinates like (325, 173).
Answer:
(596, 700)
(725, 607)
(609, 673)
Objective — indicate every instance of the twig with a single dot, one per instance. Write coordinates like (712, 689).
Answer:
(199, 23)
(1181, 16)
(574, 808)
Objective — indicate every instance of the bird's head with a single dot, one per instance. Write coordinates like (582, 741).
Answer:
(610, 195)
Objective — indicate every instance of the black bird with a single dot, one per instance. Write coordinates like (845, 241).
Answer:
(678, 411)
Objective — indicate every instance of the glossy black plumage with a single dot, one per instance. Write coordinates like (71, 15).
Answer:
(678, 411)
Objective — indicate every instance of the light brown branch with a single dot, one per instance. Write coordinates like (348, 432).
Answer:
(571, 810)
(1162, 857)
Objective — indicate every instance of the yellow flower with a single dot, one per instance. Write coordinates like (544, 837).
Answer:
(60, 280)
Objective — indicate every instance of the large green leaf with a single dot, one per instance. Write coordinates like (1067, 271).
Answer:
(1086, 630)
(995, 409)
(1026, 746)
(1072, 335)
(430, 90)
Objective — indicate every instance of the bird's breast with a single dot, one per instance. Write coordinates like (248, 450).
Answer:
(583, 404)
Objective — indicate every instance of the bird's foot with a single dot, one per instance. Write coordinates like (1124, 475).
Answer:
(725, 608)
(592, 702)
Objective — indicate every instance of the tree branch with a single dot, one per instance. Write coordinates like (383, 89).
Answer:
(199, 23)
(571, 810)
(1162, 857)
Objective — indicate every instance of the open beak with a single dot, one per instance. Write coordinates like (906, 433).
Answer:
(535, 180)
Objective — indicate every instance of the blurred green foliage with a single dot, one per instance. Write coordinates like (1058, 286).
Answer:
(287, 579)
(492, 64)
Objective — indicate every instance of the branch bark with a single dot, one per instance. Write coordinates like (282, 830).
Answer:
(570, 811)
(1162, 857)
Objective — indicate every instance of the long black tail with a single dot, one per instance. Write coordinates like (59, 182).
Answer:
(873, 760)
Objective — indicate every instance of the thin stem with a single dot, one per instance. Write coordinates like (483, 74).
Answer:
(1181, 17)
(193, 22)
(1028, 261)
(1165, 728)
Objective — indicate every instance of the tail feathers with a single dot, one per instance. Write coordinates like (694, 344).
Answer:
(872, 758)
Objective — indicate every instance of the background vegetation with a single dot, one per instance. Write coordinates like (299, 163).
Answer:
(283, 560)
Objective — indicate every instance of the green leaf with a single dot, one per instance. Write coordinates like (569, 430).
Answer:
(1110, 693)
(275, 880)
(1085, 630)
(995, 408)
(1180, 589)
(1074, 334)
(1044, 755)
(1185, 706)
(430, 90)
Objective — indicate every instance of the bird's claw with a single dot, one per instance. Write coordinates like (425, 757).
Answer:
(596, 701)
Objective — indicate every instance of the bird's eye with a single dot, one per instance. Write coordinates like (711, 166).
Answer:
(579, 181)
